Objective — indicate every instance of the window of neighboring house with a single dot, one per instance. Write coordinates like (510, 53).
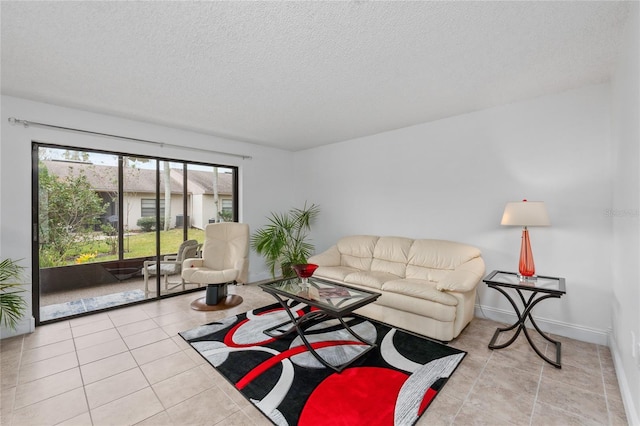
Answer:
(227, 206)
(149, 207)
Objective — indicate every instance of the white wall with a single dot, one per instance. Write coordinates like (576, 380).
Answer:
(198, 211)
(450, 179)
(626, 227)
(265, 180)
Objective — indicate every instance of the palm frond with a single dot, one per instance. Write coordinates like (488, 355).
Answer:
(10, 270)
(12, 304)
(282, 241)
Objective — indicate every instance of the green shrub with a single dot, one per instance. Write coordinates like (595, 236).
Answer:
(149, 223)
(49, 258)
(226, 216)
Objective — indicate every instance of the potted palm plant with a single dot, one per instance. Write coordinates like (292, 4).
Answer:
(12, 304)
(283, 242)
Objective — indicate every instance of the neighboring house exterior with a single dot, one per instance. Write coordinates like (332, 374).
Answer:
(140, 192)
(201, 202)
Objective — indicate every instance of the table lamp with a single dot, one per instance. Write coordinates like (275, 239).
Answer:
(525, 213)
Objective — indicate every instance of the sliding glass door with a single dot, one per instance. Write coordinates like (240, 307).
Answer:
(109, 228)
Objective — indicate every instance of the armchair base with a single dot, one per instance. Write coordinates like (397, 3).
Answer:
(216, 298)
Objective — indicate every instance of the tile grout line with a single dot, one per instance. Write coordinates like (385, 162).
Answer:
(84, 386)
(165, 408)
(139, 367)
(580, 416)
(15, 392)
(535, 398)
(604, 388)
(49, 375)
(466, 397)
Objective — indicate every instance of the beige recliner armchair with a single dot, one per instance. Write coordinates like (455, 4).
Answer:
(225, 260)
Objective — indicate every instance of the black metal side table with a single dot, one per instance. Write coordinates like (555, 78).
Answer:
(541, 288)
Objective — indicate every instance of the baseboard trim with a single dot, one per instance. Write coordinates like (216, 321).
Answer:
(572, 331)
(24, 326)
(630, 409)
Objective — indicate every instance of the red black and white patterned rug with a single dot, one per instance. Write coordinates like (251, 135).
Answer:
(392, 384)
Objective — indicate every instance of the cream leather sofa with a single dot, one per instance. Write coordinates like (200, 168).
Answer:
(427, 286)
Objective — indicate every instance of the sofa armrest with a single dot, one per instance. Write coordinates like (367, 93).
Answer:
(464, 278)
(330, 257)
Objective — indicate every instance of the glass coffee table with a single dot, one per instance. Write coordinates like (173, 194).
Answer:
(327, 300)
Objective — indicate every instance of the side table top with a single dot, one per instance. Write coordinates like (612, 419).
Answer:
(541, 283)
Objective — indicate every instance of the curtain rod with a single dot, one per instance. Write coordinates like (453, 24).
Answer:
(26, 123)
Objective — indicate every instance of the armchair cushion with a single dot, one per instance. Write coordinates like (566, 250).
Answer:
(166, 267)
(209, 276)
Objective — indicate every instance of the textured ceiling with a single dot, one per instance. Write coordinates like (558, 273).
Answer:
(301, 74)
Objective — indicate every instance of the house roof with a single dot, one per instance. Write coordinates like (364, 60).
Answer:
(296, 75)
(204, 181)
(104, 178)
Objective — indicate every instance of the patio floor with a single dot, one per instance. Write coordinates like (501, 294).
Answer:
(65, 303)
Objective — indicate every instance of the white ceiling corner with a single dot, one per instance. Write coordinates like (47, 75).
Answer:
(296, 75)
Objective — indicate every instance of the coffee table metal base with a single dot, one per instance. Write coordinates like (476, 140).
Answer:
(298, 325)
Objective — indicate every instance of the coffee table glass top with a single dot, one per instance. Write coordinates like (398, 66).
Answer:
(320, 293)
(541, 283)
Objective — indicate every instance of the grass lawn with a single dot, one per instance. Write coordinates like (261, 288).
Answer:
(144, 244)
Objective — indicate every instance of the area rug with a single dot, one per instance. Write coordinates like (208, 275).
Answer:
(392, 384)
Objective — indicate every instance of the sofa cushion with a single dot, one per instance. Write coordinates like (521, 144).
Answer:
(330, 257)
(336, 273)
(432, 260)
(391, 254)
(371, 279)
(357, 251)
(419, 288)
(418, 306)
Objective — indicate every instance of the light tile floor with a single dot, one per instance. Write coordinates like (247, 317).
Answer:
(129, 366)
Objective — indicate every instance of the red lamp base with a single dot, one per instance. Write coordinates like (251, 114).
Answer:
(526, 267)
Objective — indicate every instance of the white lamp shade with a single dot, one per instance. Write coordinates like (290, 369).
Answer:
(525, 213)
